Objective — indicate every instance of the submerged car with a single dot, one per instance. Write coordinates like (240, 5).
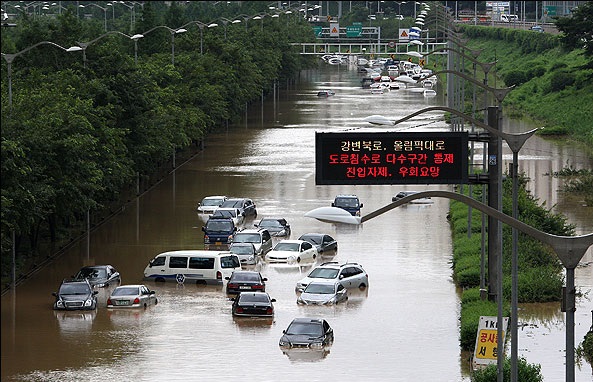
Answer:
(245, 252)
(291, 251)
(210, 204)
(350, 275)
(314, 333)
(322, 241)
(323, 293)
(99, 276)
(278, 227)
(245, 205)
(132, 296)
(260, 238)
(350, 203)
(253, 304)
(75, 295)
(241, 281)
(230, 213)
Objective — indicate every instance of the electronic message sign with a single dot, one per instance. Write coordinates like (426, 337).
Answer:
(391, 158)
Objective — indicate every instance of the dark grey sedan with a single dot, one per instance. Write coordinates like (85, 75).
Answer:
(324, 243)
(99, 275)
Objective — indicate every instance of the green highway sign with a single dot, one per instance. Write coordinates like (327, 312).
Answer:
(317, 30)
(354, 31)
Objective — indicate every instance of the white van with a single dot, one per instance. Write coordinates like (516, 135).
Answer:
(192, 266)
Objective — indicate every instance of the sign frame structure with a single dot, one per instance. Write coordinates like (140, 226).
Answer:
(391, 157)
(485, 352)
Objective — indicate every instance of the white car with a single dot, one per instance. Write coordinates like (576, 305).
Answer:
(323, 293)
(232, 213)
(210, 204)
(291, 251)
(350, 275)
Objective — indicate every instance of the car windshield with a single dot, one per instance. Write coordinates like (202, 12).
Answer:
(245, 277)
(225, 213)
(324, 273)
(242, 249)
(247, 238)
(233, 204)
(92, 273)
(346, 202)
(219, 226)
(310, 329)
(293, 247)
(270, 223)
(253, 297)
(125, 291)
(320, 288)
(312, 239)
(74, 288)
(211, 202)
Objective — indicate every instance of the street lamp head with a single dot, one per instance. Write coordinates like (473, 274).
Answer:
(137, 36)
(180, 30)
(333, 215)
(74, 49)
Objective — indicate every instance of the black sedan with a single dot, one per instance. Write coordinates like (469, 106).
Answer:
(245, 281)
(99, 275)
(278, 227)
(313, 333)
(323, 242)
(253, 304)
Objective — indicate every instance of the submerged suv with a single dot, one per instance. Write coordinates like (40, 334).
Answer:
(350, 275)
(349, 203)
(260, 238)
(219, 232)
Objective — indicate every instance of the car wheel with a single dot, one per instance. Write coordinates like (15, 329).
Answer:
(362, 286)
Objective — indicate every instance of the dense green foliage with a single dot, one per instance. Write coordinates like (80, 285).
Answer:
(525, 372)
(539, 270)
(81, 127)
(552, 84)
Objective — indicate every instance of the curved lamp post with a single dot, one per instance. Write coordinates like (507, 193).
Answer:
(104, 9)
(9, 58)
(84, 45)
(200, 25)
(569, 249)
(172, 31)
(226, 21)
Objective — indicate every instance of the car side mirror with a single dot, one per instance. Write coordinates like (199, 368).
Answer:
(203, 228)
(273, 300)
(227, 278)
(361, 205)
(341, 277)
(95, 292)
(55, 294)
(265, 279)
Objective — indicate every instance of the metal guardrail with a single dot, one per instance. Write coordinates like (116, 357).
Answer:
(367, 47)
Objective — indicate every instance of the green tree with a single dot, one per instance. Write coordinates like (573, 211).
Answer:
(578, 30)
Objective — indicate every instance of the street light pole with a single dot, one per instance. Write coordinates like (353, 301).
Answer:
(9, 58)
(84, 45)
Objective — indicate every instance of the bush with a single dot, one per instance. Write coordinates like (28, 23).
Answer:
(515, 78)
(525, 372)
(561, 80)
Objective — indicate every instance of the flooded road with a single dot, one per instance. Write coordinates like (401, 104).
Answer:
(403, 327)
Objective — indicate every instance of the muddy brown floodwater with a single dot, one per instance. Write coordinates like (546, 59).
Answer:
(403, 327)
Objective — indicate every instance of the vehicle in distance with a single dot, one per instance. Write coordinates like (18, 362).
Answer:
(253, 304)
(325, 93)
(350, 275)
(323, 293)
(249, 281)
(245, 252)
(260, 238)
(349, 203)
(99, 276)
(291, 251)
(403, 194)
(245, 205)
(537, 28)
(277, 227)
(229, 213)
(313, 333)
(323, 242)
(219, 232)
(210, 204)
(132, 296)
(75, 295)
